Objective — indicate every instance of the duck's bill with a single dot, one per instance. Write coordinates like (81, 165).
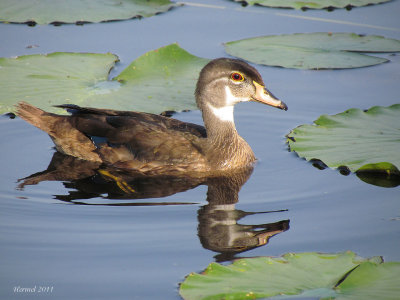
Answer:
(262, 95)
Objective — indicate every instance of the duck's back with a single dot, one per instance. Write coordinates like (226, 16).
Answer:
(142, 141)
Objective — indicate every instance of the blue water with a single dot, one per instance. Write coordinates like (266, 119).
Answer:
(144, 252)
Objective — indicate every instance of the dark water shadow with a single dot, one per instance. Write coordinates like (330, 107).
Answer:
(219, 229)
(386, 180)
(382, 179)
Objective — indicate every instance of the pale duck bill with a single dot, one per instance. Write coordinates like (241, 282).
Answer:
(262, 95)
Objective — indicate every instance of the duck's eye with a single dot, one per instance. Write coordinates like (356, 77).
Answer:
(236, 76)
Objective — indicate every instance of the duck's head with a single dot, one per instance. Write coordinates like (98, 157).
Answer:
(223, 82)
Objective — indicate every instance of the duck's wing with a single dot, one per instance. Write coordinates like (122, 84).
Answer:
(170, 123)
(126, 139)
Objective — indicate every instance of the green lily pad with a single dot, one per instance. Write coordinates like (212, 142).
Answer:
(333, 276)
(360, 140)
(160, 80)
(78, 11)
(313, 50)
(371, 281)
(316, 4)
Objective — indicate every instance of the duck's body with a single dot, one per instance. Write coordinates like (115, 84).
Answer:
(154, 144)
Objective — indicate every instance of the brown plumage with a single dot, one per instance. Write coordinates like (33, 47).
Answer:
(154, 144)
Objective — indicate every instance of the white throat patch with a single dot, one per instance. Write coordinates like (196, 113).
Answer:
(224, 113)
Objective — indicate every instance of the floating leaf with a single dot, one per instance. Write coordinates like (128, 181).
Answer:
(45, 80)
(78, 11)
(313, 4)
(160, 80)
(313, 50)
(371, 281)
(360, 140)
(306, 274)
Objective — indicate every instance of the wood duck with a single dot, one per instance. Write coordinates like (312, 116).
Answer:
(154, 144)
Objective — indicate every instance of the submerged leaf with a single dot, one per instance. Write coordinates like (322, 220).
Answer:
(317, 275)
(78, 11)
(313, 50)
(362, 141)
(313, 4)
(160, 80)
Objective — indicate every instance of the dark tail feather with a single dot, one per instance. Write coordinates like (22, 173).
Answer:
(67, 138)
(32, 115)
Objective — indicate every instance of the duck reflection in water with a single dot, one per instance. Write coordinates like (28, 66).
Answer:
(218, 228)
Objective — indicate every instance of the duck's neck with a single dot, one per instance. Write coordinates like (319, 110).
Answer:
(219, 123)
(225, 145)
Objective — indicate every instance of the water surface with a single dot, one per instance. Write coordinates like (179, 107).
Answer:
(143, 252)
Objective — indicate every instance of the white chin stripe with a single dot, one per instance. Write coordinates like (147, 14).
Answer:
(223, 113)
(231, 99)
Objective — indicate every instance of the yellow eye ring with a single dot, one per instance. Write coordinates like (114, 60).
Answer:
(237, 76)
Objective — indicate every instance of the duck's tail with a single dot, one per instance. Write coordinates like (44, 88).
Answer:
(33, 115)
(67, 139)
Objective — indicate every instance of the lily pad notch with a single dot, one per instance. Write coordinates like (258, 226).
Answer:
(360, 141)
(160, 80)
(309, 275)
